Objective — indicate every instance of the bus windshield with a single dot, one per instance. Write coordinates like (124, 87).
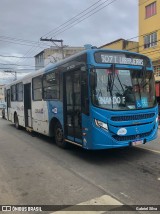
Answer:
(123, 89)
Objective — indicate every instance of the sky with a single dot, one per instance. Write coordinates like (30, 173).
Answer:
(95, 22)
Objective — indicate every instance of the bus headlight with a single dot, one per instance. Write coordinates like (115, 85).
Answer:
(101, 124)
(157, 119)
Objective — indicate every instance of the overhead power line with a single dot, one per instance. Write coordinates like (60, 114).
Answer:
(73, 18)
(16, 65)
(82, 18)
(20, 69)
(25, 44)
(10, 56)
(28, 53)
(13, 39)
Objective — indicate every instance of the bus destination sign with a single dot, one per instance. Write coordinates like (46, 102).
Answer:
(116, 58)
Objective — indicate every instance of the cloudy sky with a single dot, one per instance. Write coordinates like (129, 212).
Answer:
(95, 22)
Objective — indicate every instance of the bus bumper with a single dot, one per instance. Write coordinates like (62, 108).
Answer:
(103, 139)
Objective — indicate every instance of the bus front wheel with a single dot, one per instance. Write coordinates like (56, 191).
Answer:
(59, 136)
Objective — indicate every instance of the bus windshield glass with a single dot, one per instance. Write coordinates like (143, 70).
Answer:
(123, 89)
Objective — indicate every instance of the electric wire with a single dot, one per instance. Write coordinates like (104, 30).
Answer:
(71, 19)
(71, 25)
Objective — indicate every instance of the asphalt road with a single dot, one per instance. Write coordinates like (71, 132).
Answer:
(33, 170)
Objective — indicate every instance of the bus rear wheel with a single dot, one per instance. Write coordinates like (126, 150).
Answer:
(59, 136)
(16, 122)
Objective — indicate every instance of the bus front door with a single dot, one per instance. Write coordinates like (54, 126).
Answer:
(27, 105)
(72, 107)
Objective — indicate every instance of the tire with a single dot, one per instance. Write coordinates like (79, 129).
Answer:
(16, 122)
(59, 136)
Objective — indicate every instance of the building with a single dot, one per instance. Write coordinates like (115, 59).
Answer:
(54, 54)
(122, 44)
(149, 35)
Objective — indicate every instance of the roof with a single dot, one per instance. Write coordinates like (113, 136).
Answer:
(115, 41)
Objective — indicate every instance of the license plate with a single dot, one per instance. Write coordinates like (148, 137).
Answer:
(138, 142)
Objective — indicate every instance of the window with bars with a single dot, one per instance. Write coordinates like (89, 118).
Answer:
(157, 70)
(150, 10)
(150, 40)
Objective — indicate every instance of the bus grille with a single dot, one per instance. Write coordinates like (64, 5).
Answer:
(131, 137)
(132, 117)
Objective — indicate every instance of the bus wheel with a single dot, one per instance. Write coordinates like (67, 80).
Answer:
(16, 121)
(59, 137)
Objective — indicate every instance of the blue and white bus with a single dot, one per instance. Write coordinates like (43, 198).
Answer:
(97, 99)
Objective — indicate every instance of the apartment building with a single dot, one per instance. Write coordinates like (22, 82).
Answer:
(149, 35)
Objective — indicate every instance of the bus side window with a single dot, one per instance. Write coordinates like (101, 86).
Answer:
(13, 93)
(51, 86)
(19, 91)
(37, 88)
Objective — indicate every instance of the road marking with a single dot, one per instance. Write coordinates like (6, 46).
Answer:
(158, 179)
(151, 150)
(103, 200)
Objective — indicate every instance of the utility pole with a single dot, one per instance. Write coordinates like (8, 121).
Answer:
(55, 40)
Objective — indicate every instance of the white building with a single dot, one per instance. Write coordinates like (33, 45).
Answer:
(54, 54)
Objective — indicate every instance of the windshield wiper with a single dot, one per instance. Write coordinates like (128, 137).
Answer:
(144, 74)
(111, 78)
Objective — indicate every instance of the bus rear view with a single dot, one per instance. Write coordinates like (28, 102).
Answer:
(123, 108)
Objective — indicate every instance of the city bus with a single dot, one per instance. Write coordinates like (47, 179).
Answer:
(96, 99)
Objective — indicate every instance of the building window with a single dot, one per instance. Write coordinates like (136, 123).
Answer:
(157, 71)
(37, 88)
(19, 87)
(51, 86)
(150, 40)
(150, 10)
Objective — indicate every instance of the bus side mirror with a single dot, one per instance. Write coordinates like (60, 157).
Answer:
(93, 79)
